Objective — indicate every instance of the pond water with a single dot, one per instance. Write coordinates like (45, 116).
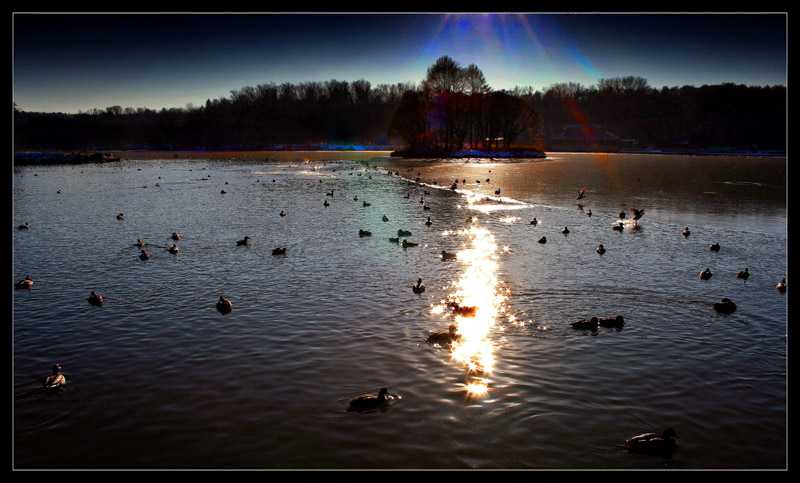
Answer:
(158, 378)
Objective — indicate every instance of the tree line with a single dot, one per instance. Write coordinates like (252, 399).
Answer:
(452, 108)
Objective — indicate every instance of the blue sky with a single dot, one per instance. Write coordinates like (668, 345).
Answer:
(71, 62)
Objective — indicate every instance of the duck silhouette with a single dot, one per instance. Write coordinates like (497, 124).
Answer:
(725, 306)
(363, 233)
(174, 248)
(120, 216)
(714, 247)
(653, 443)
(543, 240)
(600, 249)
(394, 239)
(326, 204)
(95, 299)
(429, 222)
(25, 226)
(612, 322)
(705, 274)
(534, 222)
(368, 401)
(139, 242)
(175, 236)
(585, 324)
(283, 213)
(144, 255)
(224, 306)
(279, 251)
(385, 218)
(565, 231)
(27, 282)
(418, 287)
(581, 193)
(744, 275)
(637, 214)
(449, 255)
(402, 233)
(686, 232)
(56, 379)
(781, 287)
(618, 227)
(408, 244)
(244, 241)
(444, 338)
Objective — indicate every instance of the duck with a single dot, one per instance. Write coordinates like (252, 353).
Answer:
(222, 192)
(385, 218)
(279, 251)
(369, 401)
(56, 379)
(283, 213)
(366, 204)
(139, 242)
(497, 191)
(714, 247)
(543, 240)
(363, 233)
(25, 226)
(174, 248)
(744, 274)
(175, 236)
(429, 222)
(637, 213)
(426, 207)
(444, 338)
(589, 213)
(27, 282)
(584, 324)
(418, 287)
(781, 287)
(403, 233)
(408, 244)
(224, 306)
(581, 193)
(653, 443)
(621, 215)
(725, 306)
(245, 241)
(618, 227)
(600, 249)
(326, 204)
(686, 232)
(565, 230)
(394, 239)
(120, 216)
(705, 274)
(95, 299)
(534, 222)
(144, 255)
(463, 310)
(612, 322)
(449, 255)
(355, 198)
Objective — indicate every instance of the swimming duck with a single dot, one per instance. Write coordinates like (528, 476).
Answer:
(653, 443)
(363, 233)
(565, 230)
(224, 306)
(58, 192)
(403, 233)
(385, 218)
(429, 222)
(394, 239)
(584, 324)
(120, 216)
(139, 242)
(534, 222)
(223, 192)
(497, 191)
(463, 310)
(369, 401)
(725, 306)
(95, 299)
(543, 240)
(426, 207)
(418, 287)
(637, 213)
(589, 213)
(686, 232)
(618, 227)
(612, 322)
(705, 274)
(581, 193)
(355, 198)
(454, 186)
(449, 256)
(56, 379)
(244, 241)
(144, 255)
(744, 274)
(175, 236)
(25, 226)
(621, 215)
(367, 204)
(26, 283)
(326, 204)
(174, 248)
(279, 251)
(714, 247)
(600, 249)
(407, 244)
(444, 338)
(781, 287)
(283, 213)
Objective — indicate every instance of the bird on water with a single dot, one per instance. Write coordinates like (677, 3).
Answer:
(653, 443)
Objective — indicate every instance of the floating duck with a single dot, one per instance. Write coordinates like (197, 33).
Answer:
(454, 186)
(534, 222)
(581, 193)
(744, 274)
(589, 213)
(725, 306)
(175, 236)
(326, 204)
(714, 247)
(394, 239)
(174, 248)
(407, 244)
(653, 443)
(686, 232)
(59, 191)
(418, 287)
(705, 274)
(244, 241)
(369, 401)
(329, 194)
(26, 283)
(139, 242)
(637, 213)
(402, 233)
(543, 240)
(444, 338)
(120, 216)
(363, 233)
(279, 251)
(56, 379)
(426, 207)
(283, 213)
(367, 204)
(586, 324)
(618, 227)
(565, 230)
(600, 249)
(95, 299)
(781, 287)
(24, 227)
(385, 218)
(449, 255)
(429, 222)
(223, 192)
(621, 215)
(497, 191)
(355, 198)
(224, 306)
(144, 255)
(612, 322)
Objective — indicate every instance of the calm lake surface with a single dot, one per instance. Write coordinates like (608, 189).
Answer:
(158, 378)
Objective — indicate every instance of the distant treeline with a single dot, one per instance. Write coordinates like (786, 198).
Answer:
(269, 115)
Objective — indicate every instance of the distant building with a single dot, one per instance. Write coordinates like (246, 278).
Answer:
(579, 137)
